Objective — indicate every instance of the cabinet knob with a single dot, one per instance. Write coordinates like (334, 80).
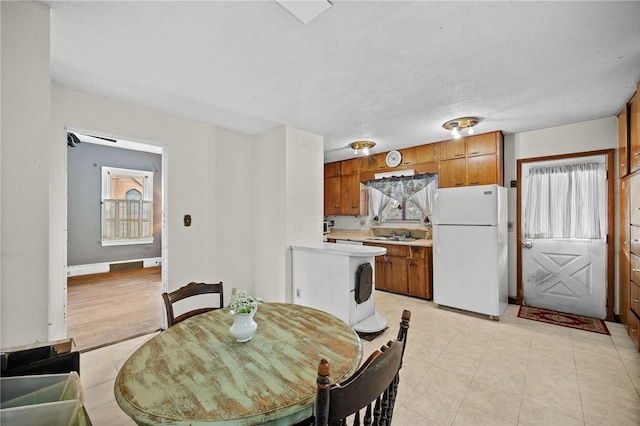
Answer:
(636, 300)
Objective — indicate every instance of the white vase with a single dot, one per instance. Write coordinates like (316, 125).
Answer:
(244, 327)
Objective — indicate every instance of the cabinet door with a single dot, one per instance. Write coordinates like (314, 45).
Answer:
(482, 144)
(634, 133)
(634, 330)
(350, 167)
(416, 277)
(427, 153)
(623, 141)
(396, 274)
(367, 163)
(634, 243)
(481, 170)
(452, 173)
(623, 241)
(634, 200)
(409, 156)
(635, 298)
(332, 169)
(454, 148)
(352, 199)
(380, 161)
(332, 195)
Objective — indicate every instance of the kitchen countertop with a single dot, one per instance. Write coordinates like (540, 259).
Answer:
(341, 249)
(368, 237)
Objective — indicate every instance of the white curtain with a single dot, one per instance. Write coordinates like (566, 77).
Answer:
(424, 199)
(562, 202)
(377, 202)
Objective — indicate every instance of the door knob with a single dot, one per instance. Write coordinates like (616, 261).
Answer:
(527, 244)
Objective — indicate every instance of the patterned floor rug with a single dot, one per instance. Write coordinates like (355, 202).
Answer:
(562, 319)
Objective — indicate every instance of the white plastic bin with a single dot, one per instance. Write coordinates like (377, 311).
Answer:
(51, 399)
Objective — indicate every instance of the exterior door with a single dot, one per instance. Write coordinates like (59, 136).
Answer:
(565, 274)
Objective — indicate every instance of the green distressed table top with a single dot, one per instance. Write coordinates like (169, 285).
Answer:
(196, 373)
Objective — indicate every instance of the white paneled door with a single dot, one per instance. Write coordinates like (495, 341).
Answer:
(564, 254)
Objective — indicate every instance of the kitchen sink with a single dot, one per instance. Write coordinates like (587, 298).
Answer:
(394, 238)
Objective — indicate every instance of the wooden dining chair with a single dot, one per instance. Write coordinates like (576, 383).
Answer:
(373, 386)
(190, 290)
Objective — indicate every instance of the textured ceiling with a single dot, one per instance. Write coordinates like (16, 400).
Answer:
(392, 72)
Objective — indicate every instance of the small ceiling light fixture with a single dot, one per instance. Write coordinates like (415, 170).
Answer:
(461, 125)
(365, 146)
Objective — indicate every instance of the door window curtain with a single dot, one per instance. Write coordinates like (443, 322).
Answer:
(562, 202)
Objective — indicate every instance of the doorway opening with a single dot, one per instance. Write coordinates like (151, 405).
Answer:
(115, 243)
(567, 270)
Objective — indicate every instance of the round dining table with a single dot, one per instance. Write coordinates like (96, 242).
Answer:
(195, 373)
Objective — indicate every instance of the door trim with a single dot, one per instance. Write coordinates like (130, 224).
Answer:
(609, 154)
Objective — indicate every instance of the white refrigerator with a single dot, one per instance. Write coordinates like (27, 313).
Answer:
(470, 269)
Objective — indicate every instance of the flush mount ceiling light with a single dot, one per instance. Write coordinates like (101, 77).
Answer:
(365, 146)
(461, 125)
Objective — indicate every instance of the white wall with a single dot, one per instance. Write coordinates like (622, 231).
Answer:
(288, 204)
(586, 136)
(24, 218)
(304, 204)
(208, 175)
(249, 196)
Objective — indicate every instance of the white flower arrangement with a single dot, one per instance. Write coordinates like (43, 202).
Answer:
(241, 303)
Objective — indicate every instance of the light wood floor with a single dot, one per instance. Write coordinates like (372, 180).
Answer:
(106, 308)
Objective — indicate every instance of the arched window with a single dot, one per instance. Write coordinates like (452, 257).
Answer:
(133, 194)
(127, 206)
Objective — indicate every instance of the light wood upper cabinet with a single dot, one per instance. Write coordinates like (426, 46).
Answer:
(452, 173)
(332, 169)
(454, 148)
(481, 144)
(481, 170)
(634, 133)
(409, 156)
(332, 195)
(350, 167)
(479, 164)
(428, 153)
(380, 161)
(623, 141)
(368, 163)
(353, 200)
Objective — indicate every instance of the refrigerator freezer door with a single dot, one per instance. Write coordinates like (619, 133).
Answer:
(470, 205)
(469, 268)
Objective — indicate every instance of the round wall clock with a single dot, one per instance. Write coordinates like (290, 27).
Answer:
(394, 158)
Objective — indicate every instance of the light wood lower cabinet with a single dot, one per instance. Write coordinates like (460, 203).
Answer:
(405, 270)
(624, 239)
(632, 285)
(419, 272)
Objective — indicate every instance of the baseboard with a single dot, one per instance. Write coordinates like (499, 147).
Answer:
(100, 268)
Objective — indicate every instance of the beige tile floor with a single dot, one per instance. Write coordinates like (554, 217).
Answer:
(462, 369)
